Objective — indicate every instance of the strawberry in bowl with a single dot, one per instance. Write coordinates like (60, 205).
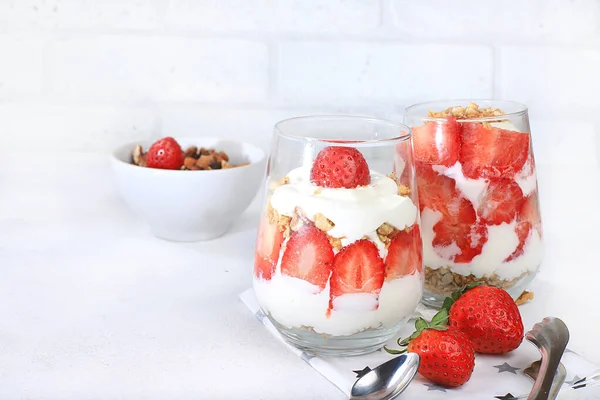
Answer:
(188, 189)
(477, 195)
(338, 261)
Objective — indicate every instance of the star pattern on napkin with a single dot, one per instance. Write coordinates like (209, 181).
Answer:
(507, 396)
(433, 386)
(361, 372)
(506, 367)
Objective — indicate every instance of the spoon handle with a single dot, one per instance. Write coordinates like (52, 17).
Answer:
(551, 337)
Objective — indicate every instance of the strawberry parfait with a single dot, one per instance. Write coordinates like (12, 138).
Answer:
(338, 262)
(478, 196)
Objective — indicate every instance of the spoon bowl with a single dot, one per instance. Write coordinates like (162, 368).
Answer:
(387, 380)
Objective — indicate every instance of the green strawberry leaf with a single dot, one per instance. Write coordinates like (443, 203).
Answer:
(440, 319)
(420, 324)
(439, 328)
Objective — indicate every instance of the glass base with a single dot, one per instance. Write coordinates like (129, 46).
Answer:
(319, 344)
(435, 300)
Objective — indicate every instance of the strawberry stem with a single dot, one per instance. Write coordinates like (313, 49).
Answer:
(392, 351)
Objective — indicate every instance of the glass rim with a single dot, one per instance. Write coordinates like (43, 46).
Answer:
(521, 109)
(406, 131)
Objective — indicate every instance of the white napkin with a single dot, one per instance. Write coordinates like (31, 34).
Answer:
(494, 377)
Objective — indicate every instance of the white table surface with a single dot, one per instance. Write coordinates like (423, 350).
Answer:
(92, 306)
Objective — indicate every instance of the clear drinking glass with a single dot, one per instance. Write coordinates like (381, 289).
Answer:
(338, 264)
(478, 195)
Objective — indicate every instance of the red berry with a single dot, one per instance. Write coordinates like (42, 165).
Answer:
(357, 268)
(489, 317)
(404, 255)
(309, 256)
(460, 227)
(436, 191)
(165, 153)
(492, 152)
(268, 245)
(501, 201)
(528, 218)
(447, 356)
(437, 143)
(340, 167)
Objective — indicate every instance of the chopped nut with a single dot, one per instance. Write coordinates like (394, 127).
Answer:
(524, 297)
(204, 162)
(284, 225)
(386, 233)
(188, 162)
(322, 222)
(298, 220)
(285, 180)
(191, 151)
(204, 151)
(403, 190)
(336, 243)
(139, 158)
(472, 110)
(225, 164)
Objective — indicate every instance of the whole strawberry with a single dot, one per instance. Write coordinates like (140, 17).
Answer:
(447, 354)
(488, 316)
(165, 154)
(340, 167)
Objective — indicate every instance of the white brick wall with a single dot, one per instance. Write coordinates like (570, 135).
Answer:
(86, 75)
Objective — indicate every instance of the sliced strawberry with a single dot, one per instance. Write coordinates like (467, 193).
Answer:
(492, 152)
(528, 218)
(340, 167)
(522, 229)
(308, 256)
(165, 153)
(501, 201)
(436, 143)
(435, 190)
(268, 244)
(404, 255)
(357, 268)
(460, 228)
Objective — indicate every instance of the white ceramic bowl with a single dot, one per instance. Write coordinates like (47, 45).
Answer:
(191, 205)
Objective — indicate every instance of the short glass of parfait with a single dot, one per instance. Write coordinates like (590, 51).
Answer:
(338, 262)
(478, 195)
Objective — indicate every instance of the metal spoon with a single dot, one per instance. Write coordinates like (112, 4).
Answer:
(551, 337)
(388, 380)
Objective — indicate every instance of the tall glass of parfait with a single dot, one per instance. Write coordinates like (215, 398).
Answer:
(338, 263)
(478, 195)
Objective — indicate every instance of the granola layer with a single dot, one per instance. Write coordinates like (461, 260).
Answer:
(444, 281)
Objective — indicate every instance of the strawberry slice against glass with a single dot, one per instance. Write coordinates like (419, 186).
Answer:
(488, 152)
(527, 220)
(357, 268)
(501, 201)
(308, 256)
(405, 255)
(437, 143)
(435, 190)
(268, 245)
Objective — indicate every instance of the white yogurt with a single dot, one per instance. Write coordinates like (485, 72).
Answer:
(502, 242)
(355, 212)
(293, 304)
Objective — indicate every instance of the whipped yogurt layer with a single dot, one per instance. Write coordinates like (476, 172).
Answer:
(355, 212)
(296, 303)
(501, 242)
